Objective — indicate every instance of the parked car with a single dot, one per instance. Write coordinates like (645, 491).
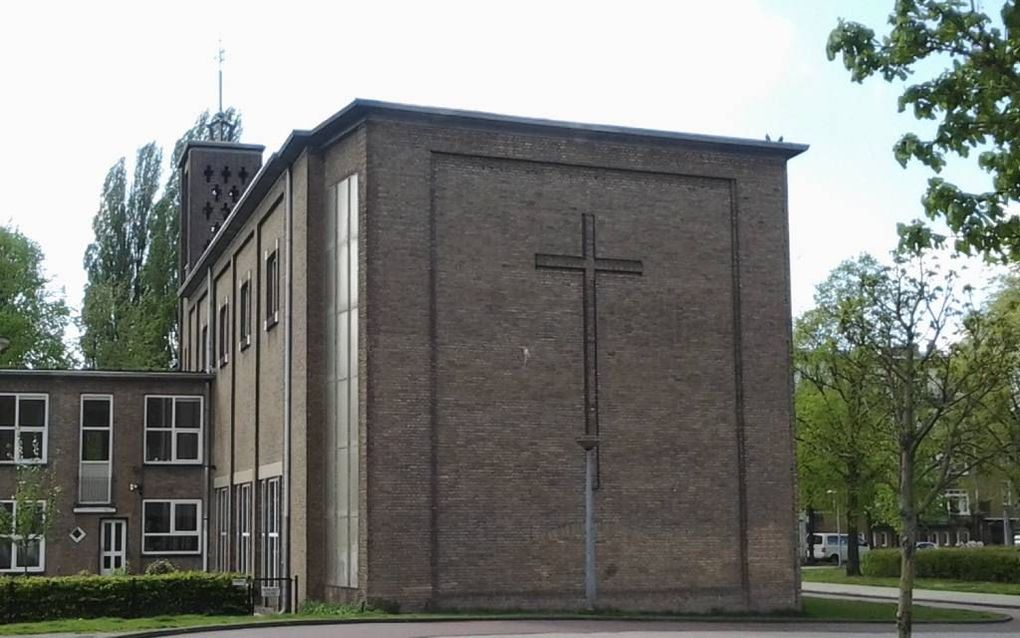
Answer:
(925, 545)
(833, 547)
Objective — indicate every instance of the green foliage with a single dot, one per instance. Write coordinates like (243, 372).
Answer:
(34, 511)
(972, 99)
(129, 314)
(41, 598)
(160, 566)
(31, 316)
(994, 564)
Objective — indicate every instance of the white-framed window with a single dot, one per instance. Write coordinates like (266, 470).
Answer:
(221, 501)
(957, 502)
(243, 506)
(269, 503)
(96, 448)
(272, 259)
(244, 312)
(173, 429)
(19, 557)
(23, 421)
(171, 526)
(223, 336)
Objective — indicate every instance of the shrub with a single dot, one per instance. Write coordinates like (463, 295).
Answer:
(998, 564)
(28, 599)
(161, 566)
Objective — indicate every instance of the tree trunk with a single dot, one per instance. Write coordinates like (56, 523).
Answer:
(810, 534)
(908, 543)
(853, 554)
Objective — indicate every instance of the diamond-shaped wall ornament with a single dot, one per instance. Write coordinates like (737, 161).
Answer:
(77, 534)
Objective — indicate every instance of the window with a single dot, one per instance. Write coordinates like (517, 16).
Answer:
(223, 342)
(244, 313)
(23, 420)
(171, 527)
(173, 429)
(203, 349)
(273, 286)
(269, 502)
(221, 498)
(242, 506)
(94, 473)
(957, 502)
(16, 556)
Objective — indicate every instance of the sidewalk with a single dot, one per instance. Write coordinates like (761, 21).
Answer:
(920, 595)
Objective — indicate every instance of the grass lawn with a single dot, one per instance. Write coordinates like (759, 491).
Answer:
(838, 575)
(815, 609)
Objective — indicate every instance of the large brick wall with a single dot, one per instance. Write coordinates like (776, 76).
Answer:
(476, 378)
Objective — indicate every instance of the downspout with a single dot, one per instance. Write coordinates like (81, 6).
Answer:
(288, 339)
(208, 422)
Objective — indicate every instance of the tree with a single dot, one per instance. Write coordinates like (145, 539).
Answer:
(842, 439)
(32, 317)
(31, 514)
(972, 99)
(129, 316)
(938, 362)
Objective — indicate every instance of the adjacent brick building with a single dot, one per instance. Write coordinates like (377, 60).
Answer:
(126, 452)
(411, 315)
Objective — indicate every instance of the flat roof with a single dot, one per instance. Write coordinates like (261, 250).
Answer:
(352, 115)
(141, 375)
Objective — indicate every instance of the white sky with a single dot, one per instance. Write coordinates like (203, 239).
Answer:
(83, 83)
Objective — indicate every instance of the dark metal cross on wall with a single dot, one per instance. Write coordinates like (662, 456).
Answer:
(589, 264)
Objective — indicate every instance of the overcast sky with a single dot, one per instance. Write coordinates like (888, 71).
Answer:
(83, 83)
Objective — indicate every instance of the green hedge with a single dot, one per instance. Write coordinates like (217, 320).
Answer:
(998, 564)
(32, 598)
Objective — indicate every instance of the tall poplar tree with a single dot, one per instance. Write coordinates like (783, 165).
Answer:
(129, 316)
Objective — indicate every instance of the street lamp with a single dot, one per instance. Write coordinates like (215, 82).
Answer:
(839, 537)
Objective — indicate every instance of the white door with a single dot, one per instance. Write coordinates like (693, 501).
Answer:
(113, 545)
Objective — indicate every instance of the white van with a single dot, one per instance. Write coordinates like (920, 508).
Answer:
(828, 544)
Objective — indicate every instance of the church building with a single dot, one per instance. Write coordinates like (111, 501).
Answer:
(428, 346)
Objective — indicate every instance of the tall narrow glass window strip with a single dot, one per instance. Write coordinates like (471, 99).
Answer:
(269, 503)
(243, 507)
(342, 255)
(95, 466)
(223, 337)
(222, 504)
(244, 314)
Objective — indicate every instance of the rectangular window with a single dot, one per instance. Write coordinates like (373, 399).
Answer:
(223, 340)
(18, 556)
(269, 503)
(273, 286)
(242, 506)
(244, 313)
(221, 499)
(171, 526)
(23, 423)
(957, 502)
(94, 466)
(173, 429)
(203, 349)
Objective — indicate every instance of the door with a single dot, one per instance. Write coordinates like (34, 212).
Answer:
(112, 546)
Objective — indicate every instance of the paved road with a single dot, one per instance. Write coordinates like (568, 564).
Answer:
(920, 595)
(607, 629)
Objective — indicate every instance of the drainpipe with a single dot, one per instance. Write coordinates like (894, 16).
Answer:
(288, 327)
(208, 421)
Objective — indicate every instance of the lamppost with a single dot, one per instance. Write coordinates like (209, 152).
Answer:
(839, 537)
